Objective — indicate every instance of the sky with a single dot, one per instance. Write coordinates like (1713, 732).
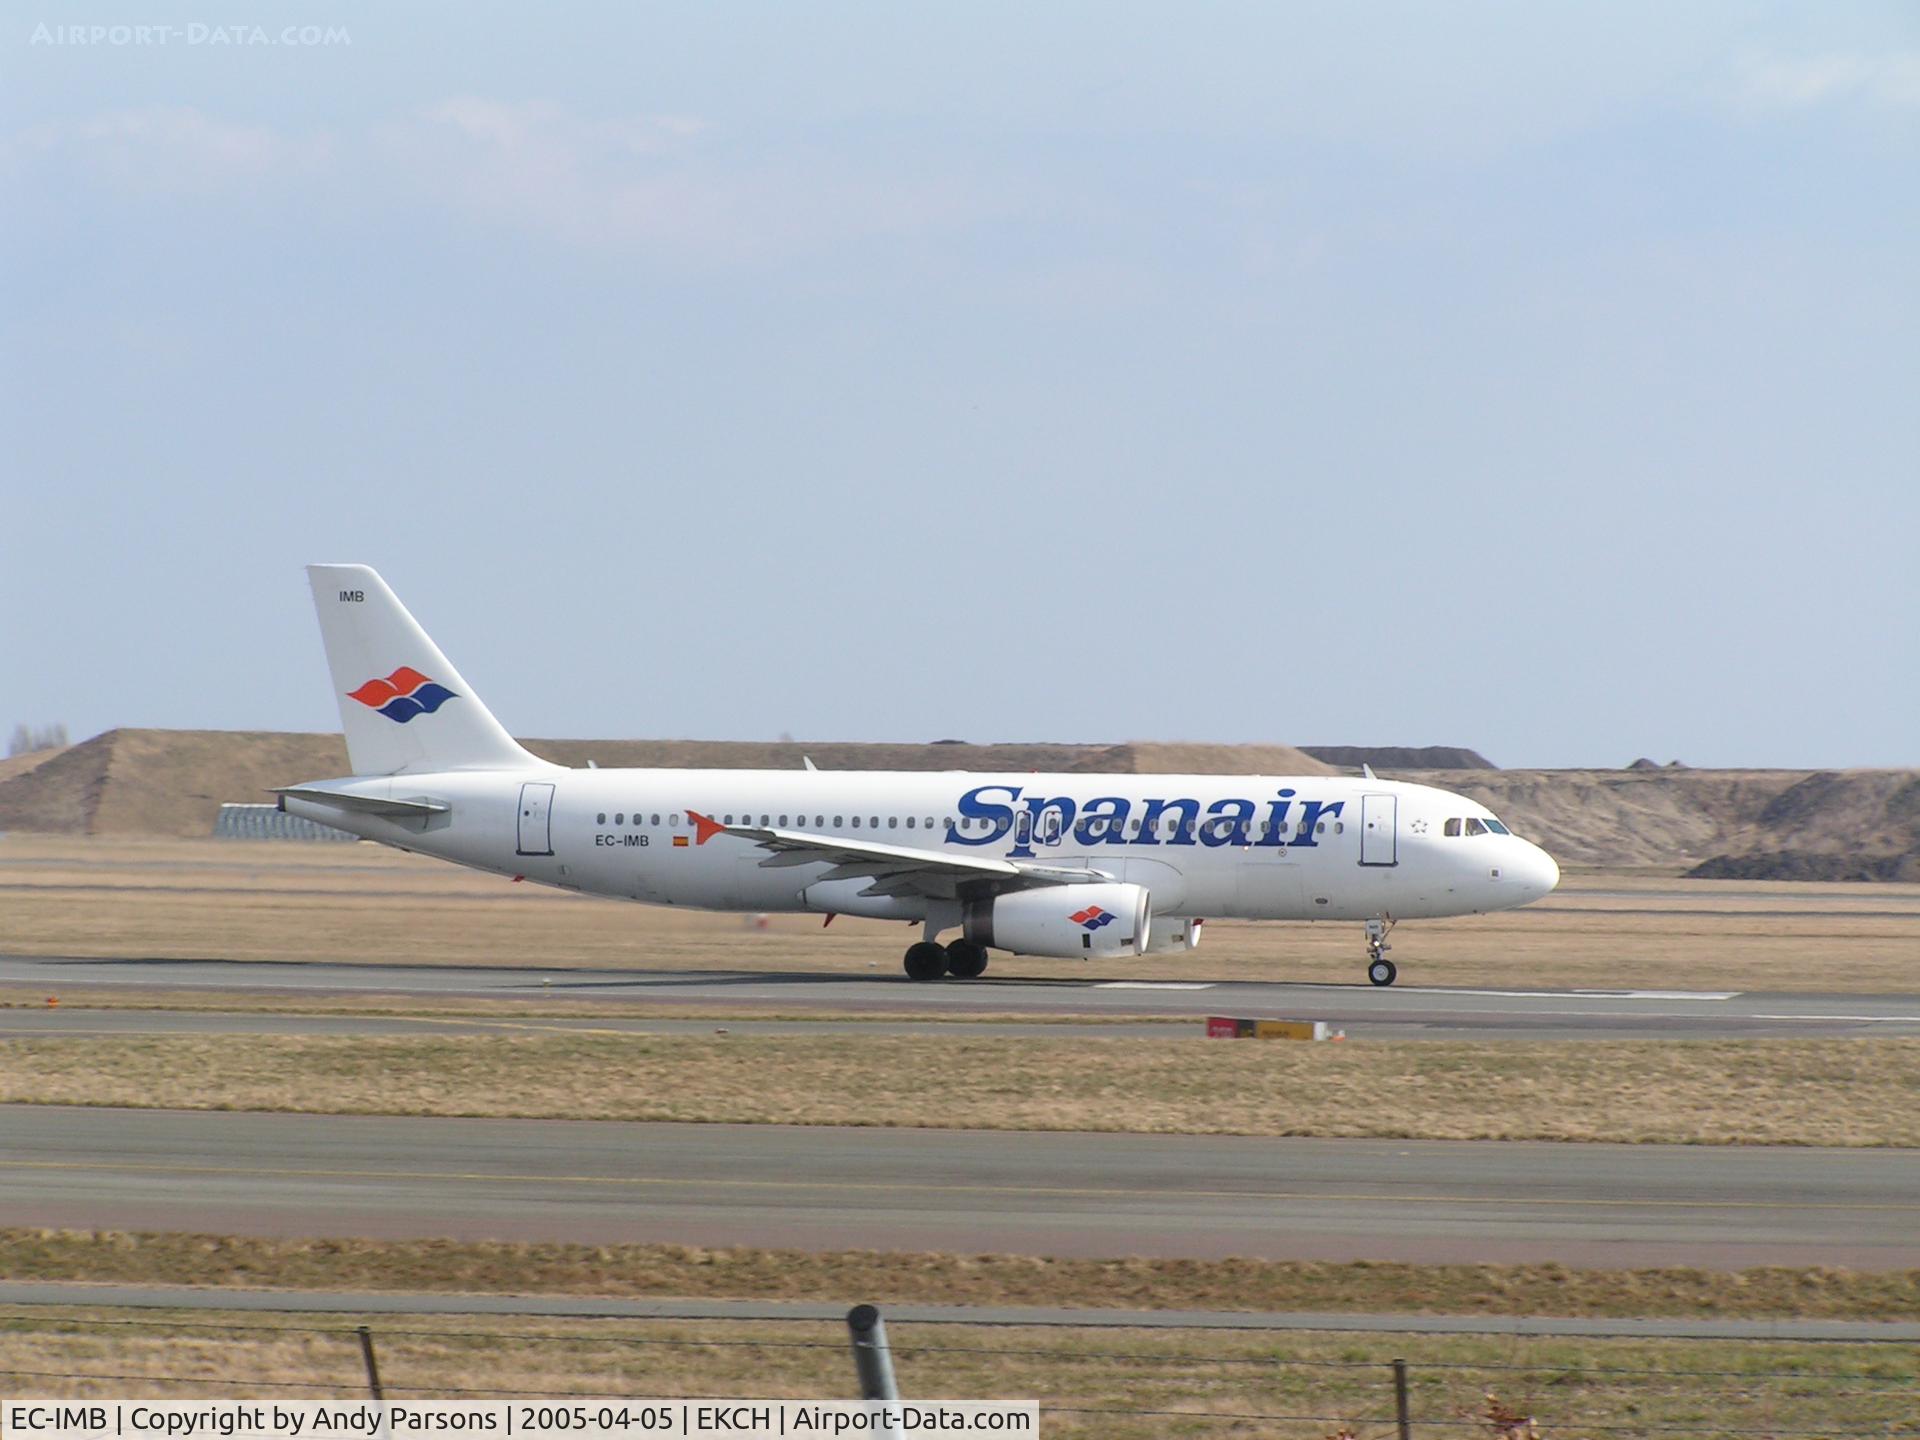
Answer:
(1539, 378)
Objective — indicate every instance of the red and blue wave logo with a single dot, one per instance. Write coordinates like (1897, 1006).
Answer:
(1093, 917)
(403, 694)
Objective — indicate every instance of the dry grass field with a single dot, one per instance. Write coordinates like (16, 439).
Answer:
(1120, 1384)
(1792, 1092)
(231, 900)
(938, 1278)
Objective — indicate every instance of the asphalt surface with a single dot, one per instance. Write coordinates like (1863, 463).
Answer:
(72, 1020)
(1405, 1010)
(356, 1303)
(957, 1191)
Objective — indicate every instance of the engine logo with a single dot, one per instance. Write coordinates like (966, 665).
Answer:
(1093, 917)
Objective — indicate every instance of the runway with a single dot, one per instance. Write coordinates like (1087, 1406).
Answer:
(958, 1191)
(1407, 1011)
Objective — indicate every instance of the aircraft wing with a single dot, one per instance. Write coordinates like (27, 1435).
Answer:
(894, 869)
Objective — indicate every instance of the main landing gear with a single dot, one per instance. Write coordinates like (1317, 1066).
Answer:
(1380, 970)
(963, 960)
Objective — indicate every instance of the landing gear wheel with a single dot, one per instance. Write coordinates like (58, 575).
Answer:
(966, 960)
(1380, 970)
(926, 961)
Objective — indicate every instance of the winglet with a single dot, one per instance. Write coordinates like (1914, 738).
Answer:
(807, 760)
(705, 827)
(1367, 771)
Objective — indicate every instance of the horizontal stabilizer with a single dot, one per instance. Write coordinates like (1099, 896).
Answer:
(365, 804)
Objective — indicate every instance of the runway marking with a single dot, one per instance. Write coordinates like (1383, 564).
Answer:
(1570, 994)
(1084, 1192)
(1663, 994)
(1872, 1019)
(1154, 985)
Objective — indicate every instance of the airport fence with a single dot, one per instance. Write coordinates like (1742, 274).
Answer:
(1112, 1384)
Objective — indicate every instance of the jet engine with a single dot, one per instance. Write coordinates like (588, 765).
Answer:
(1171, 933)
(1101, 919)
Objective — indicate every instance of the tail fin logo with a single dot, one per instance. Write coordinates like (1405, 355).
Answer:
(403, 694)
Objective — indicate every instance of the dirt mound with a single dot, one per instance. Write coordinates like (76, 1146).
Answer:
(1801, 865)
(1400, 757)
(1830, 825)
(1633, 818)
(173, 782)
(1740, 824)
(788, 755)
(160, 782)
(1197, 758)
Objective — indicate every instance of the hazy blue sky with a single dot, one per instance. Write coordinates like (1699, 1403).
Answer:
(1533, 377)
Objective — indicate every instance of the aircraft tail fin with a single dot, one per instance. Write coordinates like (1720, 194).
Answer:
(402, 704)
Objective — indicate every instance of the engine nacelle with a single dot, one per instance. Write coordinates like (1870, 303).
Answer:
(1062, 920)
(1172, 933)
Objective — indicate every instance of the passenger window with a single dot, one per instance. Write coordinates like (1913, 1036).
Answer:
(656, 819)
(893, 822)
(620, 818)
(929, 822)
(1474, 827)
(601, 818)
(856, 822)
(1453, 827)
(674, 820)
(838, 822)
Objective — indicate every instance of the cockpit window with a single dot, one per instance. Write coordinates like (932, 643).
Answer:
(1496, 827)
(1474, 826)
(1453, 826)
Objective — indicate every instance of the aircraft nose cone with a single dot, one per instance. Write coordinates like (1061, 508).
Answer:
(1543, 872)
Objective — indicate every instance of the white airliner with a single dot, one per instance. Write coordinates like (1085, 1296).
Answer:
(1059, 865)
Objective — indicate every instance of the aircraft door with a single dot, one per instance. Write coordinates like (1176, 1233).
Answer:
(1379, 842)
(536, 820)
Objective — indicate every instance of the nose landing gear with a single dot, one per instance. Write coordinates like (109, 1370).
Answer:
(1380, 970)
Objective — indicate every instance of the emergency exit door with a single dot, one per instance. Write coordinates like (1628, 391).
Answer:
(1378, 842)
(536, 820)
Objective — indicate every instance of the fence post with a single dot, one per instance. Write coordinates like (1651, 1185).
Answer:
(871, 1357)
(873, 1360)
(373, 1366)
(1400, 1400)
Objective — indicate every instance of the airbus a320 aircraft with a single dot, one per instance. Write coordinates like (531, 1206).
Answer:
(1054, 865)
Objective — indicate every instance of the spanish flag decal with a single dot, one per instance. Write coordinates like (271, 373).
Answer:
(679, 842)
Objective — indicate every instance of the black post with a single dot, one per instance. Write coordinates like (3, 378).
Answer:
(871, 1357)
(373, 1366)
(1400, 1399)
